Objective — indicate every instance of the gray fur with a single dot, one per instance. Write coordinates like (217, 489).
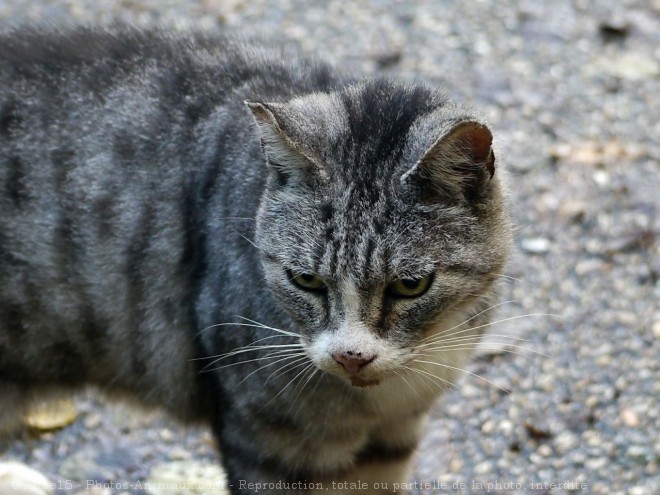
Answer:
(144, 244)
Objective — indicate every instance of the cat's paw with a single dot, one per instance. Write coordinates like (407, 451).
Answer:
(18, 479)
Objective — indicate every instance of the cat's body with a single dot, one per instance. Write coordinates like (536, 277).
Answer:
(143, 240)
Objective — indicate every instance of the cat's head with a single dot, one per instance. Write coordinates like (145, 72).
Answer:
(382, 223)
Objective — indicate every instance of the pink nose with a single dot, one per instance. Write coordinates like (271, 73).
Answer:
(351, 361)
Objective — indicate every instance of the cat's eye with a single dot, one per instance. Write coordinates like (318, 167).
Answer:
(306, 281)
(410, 287)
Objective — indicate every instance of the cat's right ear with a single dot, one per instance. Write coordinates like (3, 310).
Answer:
(289, 164)
(460, 164)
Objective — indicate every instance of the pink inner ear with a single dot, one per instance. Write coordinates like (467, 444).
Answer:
(476, 140)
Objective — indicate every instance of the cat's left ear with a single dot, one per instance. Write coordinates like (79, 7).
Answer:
(460, 163)
(285, 159)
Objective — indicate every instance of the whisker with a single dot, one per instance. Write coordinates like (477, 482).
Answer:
(286, 358)
(490, 308)
(279, 354)
(286, 368)
(261, 325)
(476, 341)
(252, 324)
(474, 337)
(425, 381)
(459, 332)
(313, 391)
(313, 370)
(321, 375)
(509, 277)
(433, 378)
(248, 348)
(252, 243)
(466, 372)
(235, 218)
(288, 383)
(400, 375)
(486, 346)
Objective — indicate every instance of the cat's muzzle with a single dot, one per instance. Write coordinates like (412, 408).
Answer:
(353, 363)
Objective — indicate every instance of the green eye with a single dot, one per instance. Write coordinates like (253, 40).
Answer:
(306, 281)
(410, 287)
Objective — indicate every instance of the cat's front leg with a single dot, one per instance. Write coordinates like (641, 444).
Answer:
(387, 473)
(269, 454)
(383, 465)
(250, 474)
(378, 471)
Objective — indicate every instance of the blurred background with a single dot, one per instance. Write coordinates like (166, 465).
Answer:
(572, 90)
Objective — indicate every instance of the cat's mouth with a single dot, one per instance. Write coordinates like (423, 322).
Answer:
(355, 379)
(360, 381)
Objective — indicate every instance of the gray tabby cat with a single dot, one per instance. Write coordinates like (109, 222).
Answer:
(311, 308)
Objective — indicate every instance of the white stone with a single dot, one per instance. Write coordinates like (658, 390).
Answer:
(633, 66)
(536, 245)
(19, 479)
(656, 329)
(187, 478)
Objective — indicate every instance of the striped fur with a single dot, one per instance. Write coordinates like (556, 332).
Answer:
(144, 243)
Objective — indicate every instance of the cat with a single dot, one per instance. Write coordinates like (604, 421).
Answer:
(242, 235)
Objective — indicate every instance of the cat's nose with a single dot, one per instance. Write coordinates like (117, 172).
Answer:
(353, 362)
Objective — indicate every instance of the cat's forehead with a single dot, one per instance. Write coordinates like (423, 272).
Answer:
(368, 240)
(361, 128)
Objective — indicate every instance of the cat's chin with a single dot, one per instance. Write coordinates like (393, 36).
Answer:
(359, 381)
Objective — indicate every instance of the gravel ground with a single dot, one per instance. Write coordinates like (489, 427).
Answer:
(572, 89)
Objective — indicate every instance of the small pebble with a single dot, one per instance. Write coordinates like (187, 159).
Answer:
(93, 421)
(632, 66)
(456, 465)
(597, 463)
(488, 427)
(590, 265)
(629, 418)
(485, 467)
(545, 450)
(638, 451)
(655, 328)
(601, 177)
(166, 435)
(535, 245)
(506, 427)
(178, 454)
(196, 477)
(639, 490)
(51, 414)
(566, 441)
(573, 209)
